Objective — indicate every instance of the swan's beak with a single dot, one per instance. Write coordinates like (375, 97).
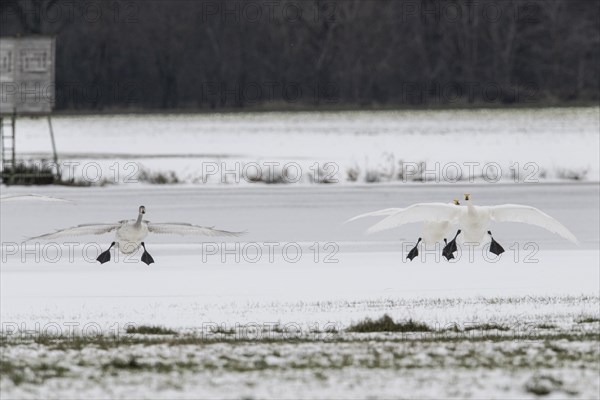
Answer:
(142, 210)
(456, 202)
(467, 196)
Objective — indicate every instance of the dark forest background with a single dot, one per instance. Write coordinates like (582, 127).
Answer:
(174, 54)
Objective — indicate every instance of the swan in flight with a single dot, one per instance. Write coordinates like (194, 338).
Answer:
(434, 231)
(31, 197)
(474, 221)
(130, 234)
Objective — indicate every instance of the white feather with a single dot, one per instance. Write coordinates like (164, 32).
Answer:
(80, 230)
(422, 212)
(188, 229)
(379, 213)
(31, 197)
(532, 216)
(475, 222)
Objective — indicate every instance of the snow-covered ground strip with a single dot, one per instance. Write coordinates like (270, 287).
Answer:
(405, 146)
(358, 276)
(384, 366)
(542, 297)
(548, 300)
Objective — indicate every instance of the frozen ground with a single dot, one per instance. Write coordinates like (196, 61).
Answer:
(534, 313)
(179, 367)
(272, 317)
(514, 145)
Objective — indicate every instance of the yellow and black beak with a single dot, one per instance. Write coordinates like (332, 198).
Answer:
(456, 202)
(467, 196)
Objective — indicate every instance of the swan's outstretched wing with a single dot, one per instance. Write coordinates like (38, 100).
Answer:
(188, 229)
(530, 215)
(79, 230)
(423, 212)
(380, 213)
(32, 197)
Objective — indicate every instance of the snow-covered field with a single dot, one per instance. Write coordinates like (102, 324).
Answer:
(271, 315)
(543, 295)
(528, 145)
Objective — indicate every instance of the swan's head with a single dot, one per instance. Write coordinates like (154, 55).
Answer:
(467, 196)
(142, 210)
(456, 202)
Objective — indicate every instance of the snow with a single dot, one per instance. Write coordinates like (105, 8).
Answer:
(216, 281)
(203, 148)
(196, 286)
(383, 369)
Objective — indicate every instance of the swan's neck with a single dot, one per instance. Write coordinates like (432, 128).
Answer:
(138, 222)
(471, 209)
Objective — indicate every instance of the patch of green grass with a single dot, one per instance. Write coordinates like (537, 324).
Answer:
(150, 330)
(131, 364)
(224, 331)
(486, 327)
(75, 342)
(383, 351)
(38, 373)
(158, 178)
(546, 326)
(29, 173)
(134, 364)
(556, 348)
(543, 385)
(110, 342)
(11, 371)
(83, 183)
(588, 320)
(387, 324)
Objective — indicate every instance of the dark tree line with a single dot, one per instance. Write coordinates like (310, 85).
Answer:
(175, 54)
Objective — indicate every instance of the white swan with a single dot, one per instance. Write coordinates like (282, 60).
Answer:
(434, 231)
(31, 197)
(474, 221)
(130, 234)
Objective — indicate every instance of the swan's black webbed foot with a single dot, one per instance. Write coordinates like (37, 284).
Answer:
(495, 247)
(105, 255)
(414, 252)
(146, 257)
(450, 248)
(448, 256)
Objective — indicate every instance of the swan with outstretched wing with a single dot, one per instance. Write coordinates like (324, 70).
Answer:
(473, 223)
(435, 226)
(130, 234)
(31, 197)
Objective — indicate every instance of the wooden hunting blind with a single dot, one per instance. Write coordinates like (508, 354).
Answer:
(27, 88)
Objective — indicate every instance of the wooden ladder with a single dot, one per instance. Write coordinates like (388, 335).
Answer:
(7, 139)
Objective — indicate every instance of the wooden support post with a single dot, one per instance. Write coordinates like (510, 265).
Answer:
(53, 147)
